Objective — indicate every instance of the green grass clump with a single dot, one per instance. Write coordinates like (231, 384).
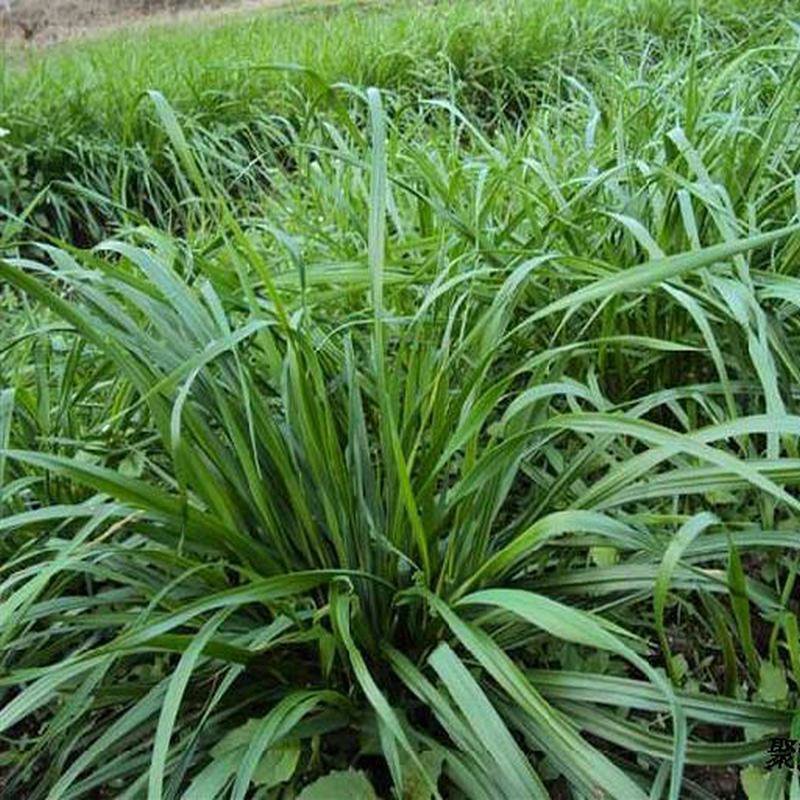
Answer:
(429, 440)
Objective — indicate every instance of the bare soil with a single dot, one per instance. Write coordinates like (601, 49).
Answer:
(51, 21)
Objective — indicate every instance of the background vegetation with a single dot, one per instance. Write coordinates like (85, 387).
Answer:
(401, 402)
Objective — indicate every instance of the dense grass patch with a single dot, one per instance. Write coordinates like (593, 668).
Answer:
(443, 430)
(82, 146)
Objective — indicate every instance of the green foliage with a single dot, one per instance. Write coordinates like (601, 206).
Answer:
(431, 441)
(340, 784)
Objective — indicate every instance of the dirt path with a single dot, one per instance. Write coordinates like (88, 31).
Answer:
(41, 22)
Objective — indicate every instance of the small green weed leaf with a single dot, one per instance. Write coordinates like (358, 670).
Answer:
(604, 556)
(415, 786)
(277, 765)
(754, 782)
(132, 466)
(349, 785)
(772, 685)
(679, 668)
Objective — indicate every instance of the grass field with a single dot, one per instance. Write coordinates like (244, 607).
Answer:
(46, 22)
(398, 401)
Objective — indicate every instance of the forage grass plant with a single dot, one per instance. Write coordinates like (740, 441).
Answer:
(449, 457)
